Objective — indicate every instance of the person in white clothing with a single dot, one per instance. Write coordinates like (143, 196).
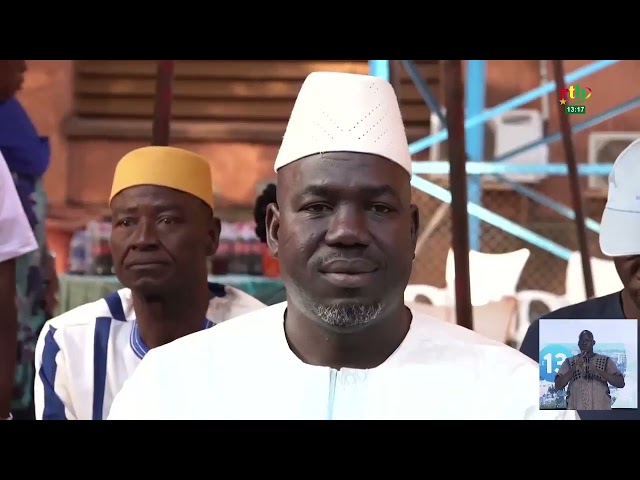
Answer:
(163, 231)
(16, 239)
(343, 345)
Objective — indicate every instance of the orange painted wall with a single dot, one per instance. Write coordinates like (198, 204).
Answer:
(81, 170)
(236, 168)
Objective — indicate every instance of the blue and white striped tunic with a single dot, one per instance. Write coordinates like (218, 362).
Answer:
(84, 356)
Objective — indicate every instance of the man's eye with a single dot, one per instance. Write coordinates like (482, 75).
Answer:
(317, 208)
(125, 222)
(380, 208)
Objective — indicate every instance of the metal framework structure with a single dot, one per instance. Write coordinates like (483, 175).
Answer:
(467, 114)
(162, 107)
(476, 166)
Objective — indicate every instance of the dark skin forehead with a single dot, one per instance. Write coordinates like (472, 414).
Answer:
(585, 335)
(343, 175)
(152, 198)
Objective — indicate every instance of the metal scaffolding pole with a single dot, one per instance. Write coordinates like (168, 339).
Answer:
(574, 182)
(522, 99)
(474, 138)
(454, 104)
(394, 77)
(160, 133)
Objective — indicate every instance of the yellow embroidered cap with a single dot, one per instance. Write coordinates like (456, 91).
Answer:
(165, 167)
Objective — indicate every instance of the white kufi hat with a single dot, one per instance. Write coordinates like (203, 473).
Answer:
(620, 228)
(345, 112)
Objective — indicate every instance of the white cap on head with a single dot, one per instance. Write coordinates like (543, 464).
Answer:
(620, 228)
(345, 112)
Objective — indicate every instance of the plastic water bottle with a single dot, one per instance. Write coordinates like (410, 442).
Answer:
(77, 253)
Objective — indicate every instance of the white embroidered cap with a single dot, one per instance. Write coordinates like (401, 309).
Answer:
(345, 112)
(620, 228)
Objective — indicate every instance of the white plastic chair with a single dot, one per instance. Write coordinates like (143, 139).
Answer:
(605, 282)
(495, 320)
(492, 276)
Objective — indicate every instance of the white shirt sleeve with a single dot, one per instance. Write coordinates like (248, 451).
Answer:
(16, 235)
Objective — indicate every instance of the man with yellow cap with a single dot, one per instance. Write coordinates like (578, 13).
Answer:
(163, 231)
(343, 345)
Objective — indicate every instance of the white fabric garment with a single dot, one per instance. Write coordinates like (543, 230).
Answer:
(84, 356)
(16, 235)
(244, 369)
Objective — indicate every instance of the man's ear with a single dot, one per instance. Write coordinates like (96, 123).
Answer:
(273, 226)
(415, 226)
(214, 236)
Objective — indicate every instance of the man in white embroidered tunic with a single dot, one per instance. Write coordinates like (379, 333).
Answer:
(343, 345)
(588, 376)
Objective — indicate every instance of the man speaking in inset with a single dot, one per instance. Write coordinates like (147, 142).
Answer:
(588, 375)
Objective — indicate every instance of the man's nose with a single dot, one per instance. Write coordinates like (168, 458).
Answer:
(145, 236)
(349, 226)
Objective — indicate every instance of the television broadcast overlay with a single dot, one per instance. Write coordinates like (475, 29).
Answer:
(614, 338)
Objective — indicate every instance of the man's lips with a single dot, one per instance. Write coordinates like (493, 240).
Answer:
(349, 267)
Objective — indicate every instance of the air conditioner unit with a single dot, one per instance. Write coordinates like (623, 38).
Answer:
(604, 148)
(440, 150)
(504, 134)
(516, 129)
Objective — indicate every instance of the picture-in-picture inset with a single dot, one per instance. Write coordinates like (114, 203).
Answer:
(588, 364)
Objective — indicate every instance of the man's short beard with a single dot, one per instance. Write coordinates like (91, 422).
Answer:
(337, 315)
(347, 315)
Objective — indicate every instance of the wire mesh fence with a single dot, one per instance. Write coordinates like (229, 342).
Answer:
(543, 270)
